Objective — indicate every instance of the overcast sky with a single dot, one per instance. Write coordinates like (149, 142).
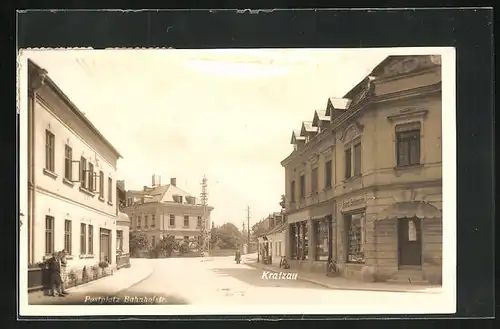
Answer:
(226, 114)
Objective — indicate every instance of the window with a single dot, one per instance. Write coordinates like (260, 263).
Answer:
(180, 198)
(91, 177)
(357, 159)
(408, 144)
(314, 180)
(146, 223)
(186, 238)
(153, 241)
(110, 190)
(292, 191)
(328, 174)
(91, 240)
(139, 222)
(83, 239)
(186, 221)
(49, 151)
(348, 159)
(302, 186)
(83, 176)
(294, 241)
(171, 220)
(153, 220)
(305, 249)
(101, 184)
(119, 240)
(198, 221)
(67, 236)
(49, 235)
(68, 158)
(355, 238)
(321, 232)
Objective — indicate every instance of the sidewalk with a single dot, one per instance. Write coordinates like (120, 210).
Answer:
(339, 283)
(121, 279)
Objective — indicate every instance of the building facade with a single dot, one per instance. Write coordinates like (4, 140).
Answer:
(72, 201)
(161, 210)
(123, 224)
(364, 181)
(272, 242)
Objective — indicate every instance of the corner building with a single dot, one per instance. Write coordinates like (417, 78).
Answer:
(364, 181)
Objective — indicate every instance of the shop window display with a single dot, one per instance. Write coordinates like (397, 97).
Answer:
(355, 238)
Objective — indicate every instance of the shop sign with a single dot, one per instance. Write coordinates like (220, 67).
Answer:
(353, 203)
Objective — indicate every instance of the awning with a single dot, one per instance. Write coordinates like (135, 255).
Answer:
(412, 209)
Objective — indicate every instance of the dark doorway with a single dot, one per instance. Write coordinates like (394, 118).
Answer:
(105, 246)
(409, 242)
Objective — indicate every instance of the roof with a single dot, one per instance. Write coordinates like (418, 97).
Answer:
(163, 193)
(277, 229)
(122, 217)
(49, 82)
(296, 137)
(307, 127)
(320, 115)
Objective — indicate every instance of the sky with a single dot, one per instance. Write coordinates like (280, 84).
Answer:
(225, 114)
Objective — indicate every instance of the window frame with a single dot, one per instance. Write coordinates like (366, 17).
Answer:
(292, 191)
(90, 239)
(302, 186)
(328, 173)
(68, 236)
(314, 180)
(170, 219)
(110, 190)
(186, 218)
(413, 132)
(49, 235)
(119, 240)
(83, 239)
(83, 173)
(50, 151)
(357, 158)
(68, 163)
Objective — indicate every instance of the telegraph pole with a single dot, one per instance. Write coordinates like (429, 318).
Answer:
(205, 234)
(248, 225)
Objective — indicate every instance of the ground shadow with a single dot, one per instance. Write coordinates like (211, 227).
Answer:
(259, 278)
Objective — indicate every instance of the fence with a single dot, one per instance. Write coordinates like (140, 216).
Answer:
(38, 278)
(122, 260)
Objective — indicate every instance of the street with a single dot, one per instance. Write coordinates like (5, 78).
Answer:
(221, 281)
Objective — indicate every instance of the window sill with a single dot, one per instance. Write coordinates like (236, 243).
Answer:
(352, 178)
(69, 257)
(416, 167)
(86, 256)
(84, 190)
(49, 173)
(110, 203)
(171, 226)
(68, 182)
(185, 227)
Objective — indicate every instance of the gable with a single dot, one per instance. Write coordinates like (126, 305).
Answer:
(394, 66)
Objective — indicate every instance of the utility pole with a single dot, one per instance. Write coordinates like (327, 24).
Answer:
(248, 225)
(205, 233)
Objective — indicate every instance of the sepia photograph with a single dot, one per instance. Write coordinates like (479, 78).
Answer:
(237, 181)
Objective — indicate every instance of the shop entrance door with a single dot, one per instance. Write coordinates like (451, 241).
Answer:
(105, 246)
(409, 242)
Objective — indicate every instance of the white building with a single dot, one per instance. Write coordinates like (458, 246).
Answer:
(72, 201)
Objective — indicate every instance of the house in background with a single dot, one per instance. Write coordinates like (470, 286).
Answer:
(160, 210)
(271, 242)
(122, 228)
(364, 181)
(71, 180)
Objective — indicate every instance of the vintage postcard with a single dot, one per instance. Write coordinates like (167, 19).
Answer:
(237, 181)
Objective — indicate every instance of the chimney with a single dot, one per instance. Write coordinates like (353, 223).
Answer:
(173, 181)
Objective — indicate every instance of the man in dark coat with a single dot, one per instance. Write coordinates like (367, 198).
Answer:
(55, 275)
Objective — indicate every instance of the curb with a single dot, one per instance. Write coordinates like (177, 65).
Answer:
(305, 279)
(147, 276)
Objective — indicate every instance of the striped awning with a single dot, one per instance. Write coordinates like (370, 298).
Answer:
(410, 209)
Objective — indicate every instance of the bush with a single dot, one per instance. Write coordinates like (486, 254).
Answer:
(72, 278)
(95, 272)
(85, 275)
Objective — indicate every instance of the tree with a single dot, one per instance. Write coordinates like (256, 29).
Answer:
(166, 246)
(227, 236)
(138, 242)
(258, 229)
(283, 202)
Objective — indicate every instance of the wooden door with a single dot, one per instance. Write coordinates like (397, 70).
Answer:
(105, 246)
(409, 242)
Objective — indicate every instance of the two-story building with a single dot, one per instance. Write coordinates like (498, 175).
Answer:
(364, 181)
(271, 242)
(71, 179)
(161, 210)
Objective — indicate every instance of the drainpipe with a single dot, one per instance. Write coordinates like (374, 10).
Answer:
(35, 81)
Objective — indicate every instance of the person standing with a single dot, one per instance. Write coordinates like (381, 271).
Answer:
(55, 275)
(64, 273)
